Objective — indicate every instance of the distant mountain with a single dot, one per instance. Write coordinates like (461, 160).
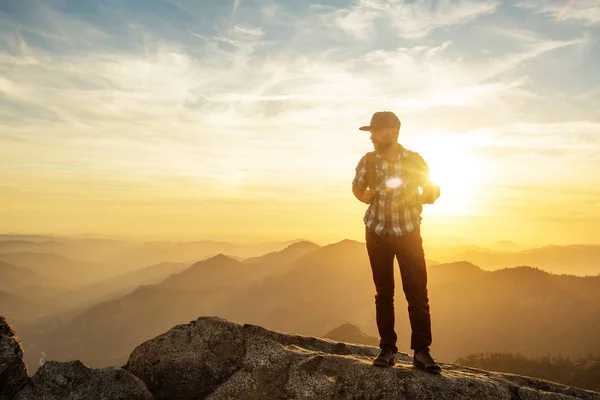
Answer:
(47, 246)
(215, 273)
(16, 307)
(351, 334)
(146, 311)
(98, 250)
(75, 300)
(223, 271)
(13, 277)
(448, 272)
(91, 250)
(134, 254)
(43, 263)
(574, 259)
(220, 285)
(507, 245)
(285, 256)
(44, 291)
(520, 309)
(33, 238)
(450, 253)
(88, 235)
(190, 252)
(105, 333)
(60, 270)
(65, 301)
(26, 283)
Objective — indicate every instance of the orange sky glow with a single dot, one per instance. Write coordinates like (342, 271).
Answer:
(239, 122)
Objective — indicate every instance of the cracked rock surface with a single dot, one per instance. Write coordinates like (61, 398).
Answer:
(74, 381)
(212, 358)
(13, 372)
(215, 359)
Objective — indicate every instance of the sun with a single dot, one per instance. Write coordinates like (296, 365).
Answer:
(457, 171)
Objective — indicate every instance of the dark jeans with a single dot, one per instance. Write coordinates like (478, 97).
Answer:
(408, 250)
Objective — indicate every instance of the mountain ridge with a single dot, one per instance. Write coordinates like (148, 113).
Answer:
(331, 285)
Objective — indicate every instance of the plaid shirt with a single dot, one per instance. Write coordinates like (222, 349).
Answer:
(391, 212)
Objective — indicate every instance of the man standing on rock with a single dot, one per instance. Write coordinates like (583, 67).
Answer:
(395, 183)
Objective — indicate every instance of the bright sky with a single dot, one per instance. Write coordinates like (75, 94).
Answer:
(238, 120)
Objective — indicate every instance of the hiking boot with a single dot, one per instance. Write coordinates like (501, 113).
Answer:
(385, 358)
(423, 360)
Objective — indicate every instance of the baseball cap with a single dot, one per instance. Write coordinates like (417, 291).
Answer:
(382, 119)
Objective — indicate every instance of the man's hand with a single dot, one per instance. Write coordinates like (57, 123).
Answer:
(365, 196)
(368, 196)
(430, 194)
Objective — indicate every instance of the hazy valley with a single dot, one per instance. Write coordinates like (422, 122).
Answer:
(95, 300)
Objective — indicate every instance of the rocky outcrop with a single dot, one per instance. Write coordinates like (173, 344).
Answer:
(215, 359)
(61, 380)
(74, 381)
(13, 372)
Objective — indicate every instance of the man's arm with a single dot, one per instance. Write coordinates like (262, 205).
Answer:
(366, 196)
(431, 191)
(359, 183)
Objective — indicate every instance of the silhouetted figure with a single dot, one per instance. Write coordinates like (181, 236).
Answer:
(395, 183)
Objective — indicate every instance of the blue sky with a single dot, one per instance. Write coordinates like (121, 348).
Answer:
(246, 103)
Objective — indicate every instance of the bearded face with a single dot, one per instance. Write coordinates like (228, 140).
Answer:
(384, 138)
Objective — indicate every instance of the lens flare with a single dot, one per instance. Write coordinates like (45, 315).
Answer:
(393, 183)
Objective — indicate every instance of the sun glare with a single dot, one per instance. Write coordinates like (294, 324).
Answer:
(393, 183)
(456, 170)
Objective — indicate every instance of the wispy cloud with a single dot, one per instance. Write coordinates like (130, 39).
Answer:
(267, 103)
(234, 83)
(410, 19)
(587, 11)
